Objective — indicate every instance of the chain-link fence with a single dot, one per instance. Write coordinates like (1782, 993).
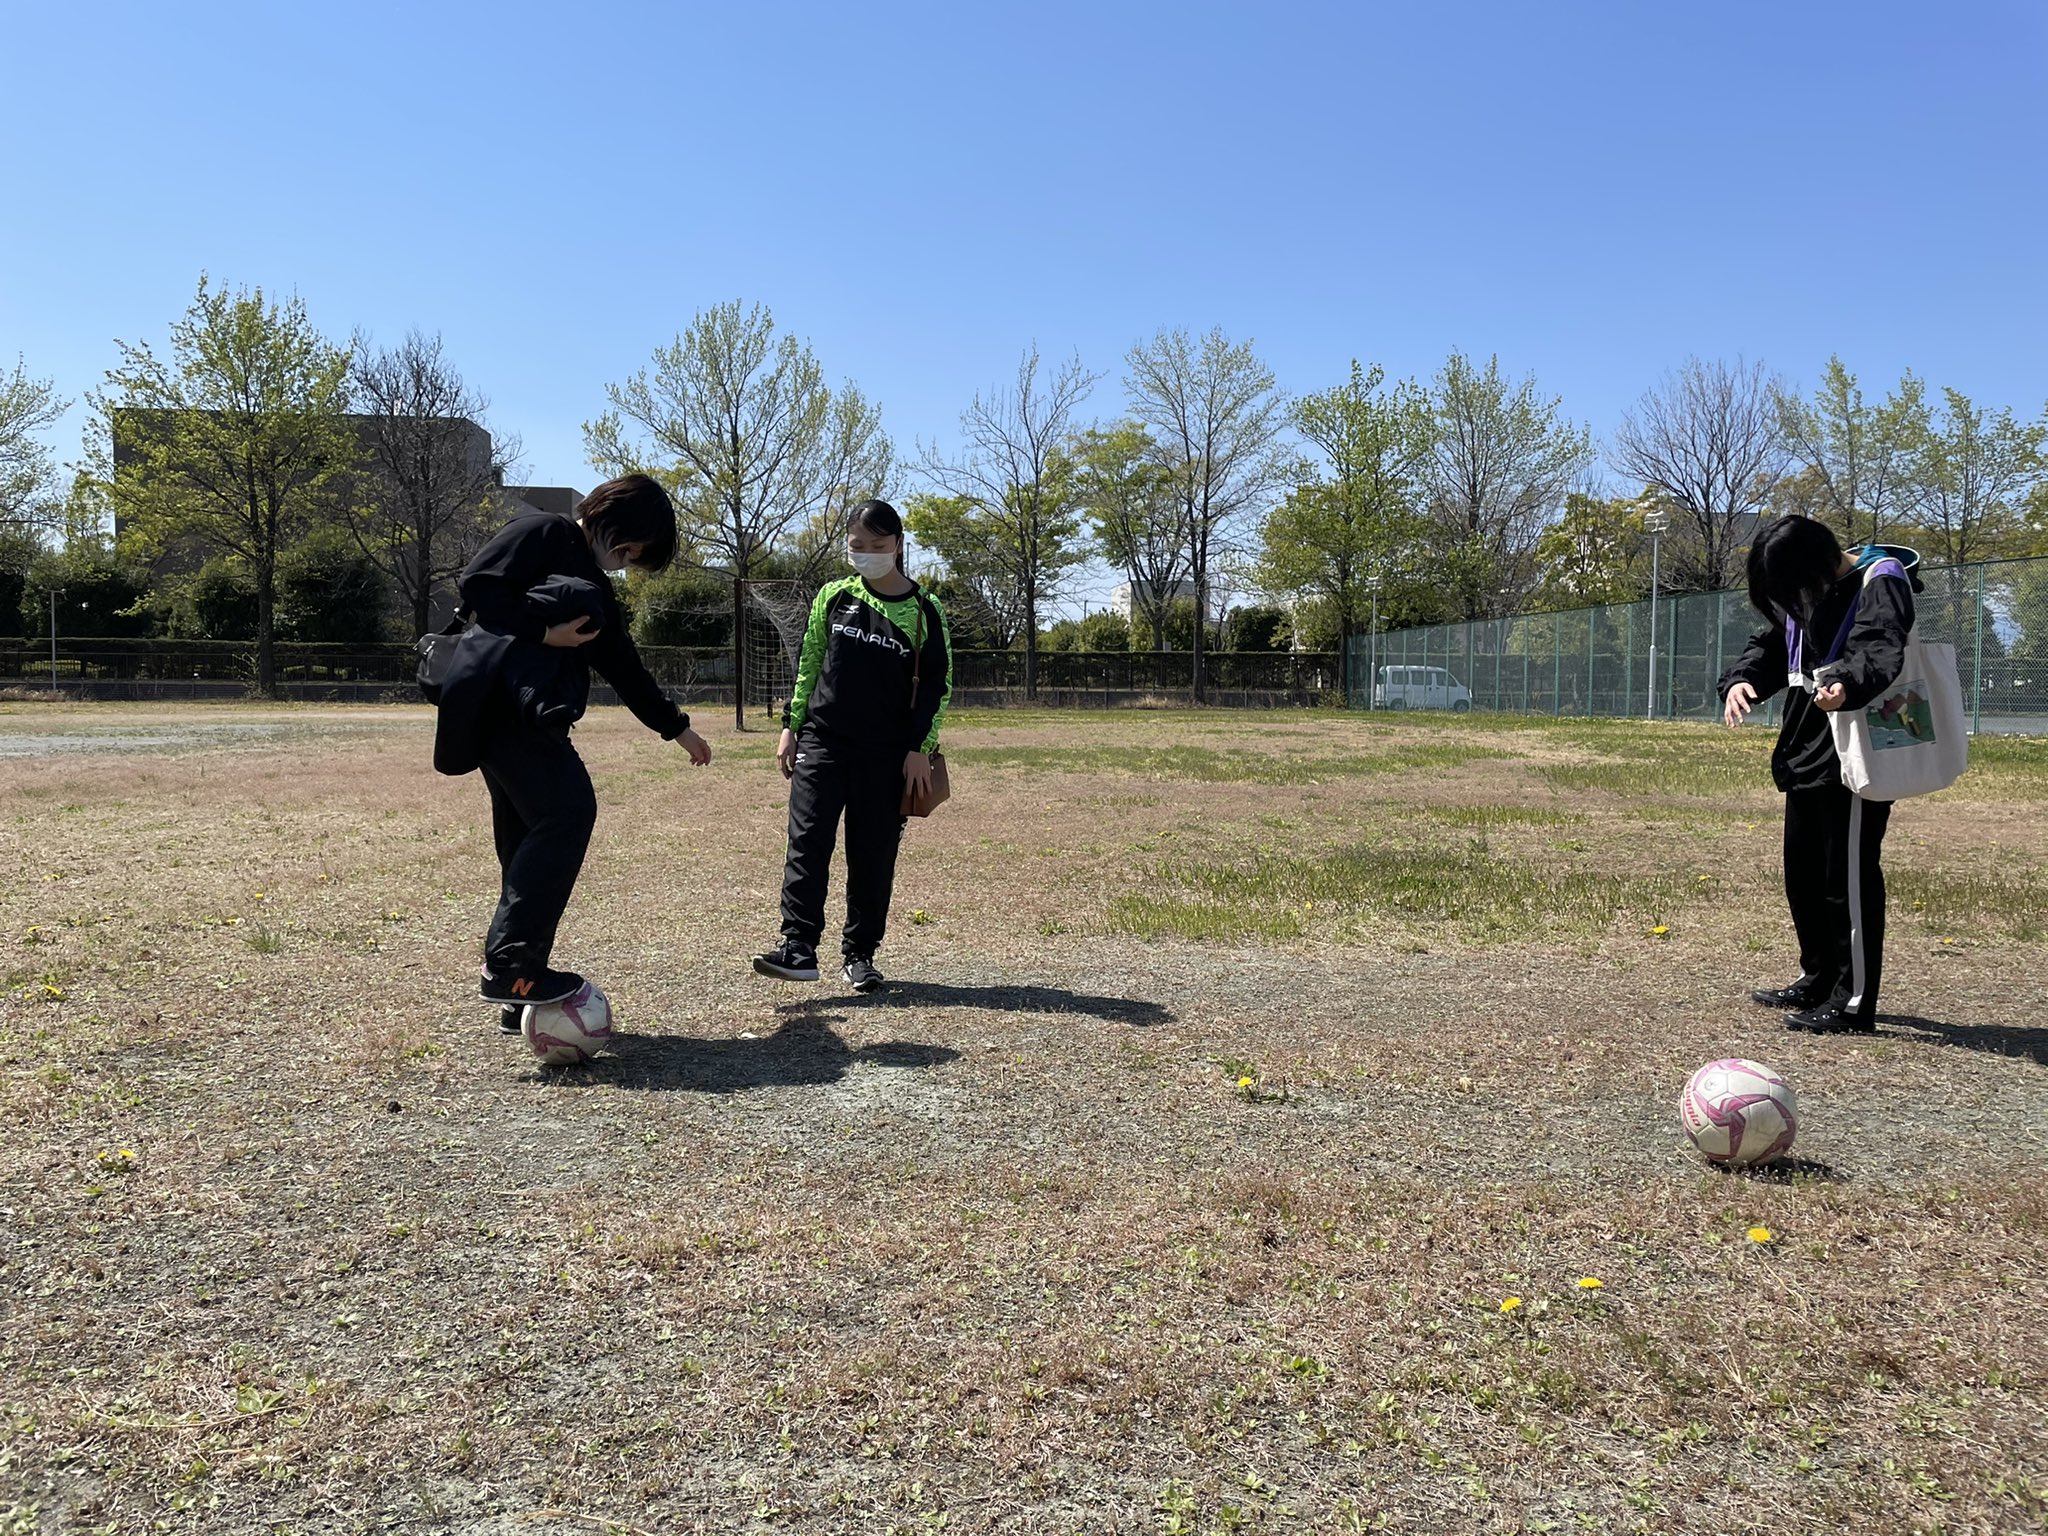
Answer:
(1617, 660)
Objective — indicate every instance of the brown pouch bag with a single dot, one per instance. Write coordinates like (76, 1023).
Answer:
(942, 781)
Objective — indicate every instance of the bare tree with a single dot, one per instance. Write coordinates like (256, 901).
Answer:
(1706, 441)
(1505, 457)
(1013, 485)
(433, 472)
(1216, 412)
(1129, 497)
(28, 407)
(746, 433)
(1857, 459)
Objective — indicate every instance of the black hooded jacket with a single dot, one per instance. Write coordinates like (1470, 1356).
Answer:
(535, 572)
(1856, 635)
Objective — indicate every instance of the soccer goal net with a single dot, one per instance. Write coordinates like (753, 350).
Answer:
(776, 613)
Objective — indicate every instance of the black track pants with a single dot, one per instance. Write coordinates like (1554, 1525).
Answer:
(866, 785)
(542, 810)
(1835, 887)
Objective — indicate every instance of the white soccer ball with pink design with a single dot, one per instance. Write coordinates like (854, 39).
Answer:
(1739, 1112)
(573, 1030)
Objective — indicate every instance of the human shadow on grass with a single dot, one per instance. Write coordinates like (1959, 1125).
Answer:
(1014, 999)
(804, 1052)
(1997, 1039)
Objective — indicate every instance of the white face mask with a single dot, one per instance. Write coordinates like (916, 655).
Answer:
(874, 565)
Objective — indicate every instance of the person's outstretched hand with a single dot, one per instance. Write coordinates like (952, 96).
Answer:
(785, 753)
(698, 748)
(1740, 699)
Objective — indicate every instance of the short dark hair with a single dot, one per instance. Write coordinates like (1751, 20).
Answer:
(1791, 566)
(881, 519)
(633, 509)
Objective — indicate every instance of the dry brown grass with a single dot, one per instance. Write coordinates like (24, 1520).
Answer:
(1009, 1248)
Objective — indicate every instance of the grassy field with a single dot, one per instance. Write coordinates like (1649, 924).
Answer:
(1272, 1129)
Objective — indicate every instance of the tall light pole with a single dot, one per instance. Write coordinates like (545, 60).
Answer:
(1372, 676)
(1656, 520)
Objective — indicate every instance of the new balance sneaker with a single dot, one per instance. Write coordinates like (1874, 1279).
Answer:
(862, 976)
(788, 962)
(510, 990)
(1803, 993)
(508, 1019)
(1831, 1019)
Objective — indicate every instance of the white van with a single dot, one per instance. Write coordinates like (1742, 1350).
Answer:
(1420, 688)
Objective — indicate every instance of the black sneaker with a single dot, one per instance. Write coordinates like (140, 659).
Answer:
(786, 962)
(512, 991)
(862, 976)
(1831, 1019)
(1803, 993)
(509, 1019)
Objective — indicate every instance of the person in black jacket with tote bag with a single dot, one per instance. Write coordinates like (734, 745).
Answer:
(515, 710)
(1835, 642)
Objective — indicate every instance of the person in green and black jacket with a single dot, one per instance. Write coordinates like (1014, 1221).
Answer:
(860, 728)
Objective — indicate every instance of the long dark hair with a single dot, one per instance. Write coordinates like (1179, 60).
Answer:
(882, 520)
(1791, 566)
(633, 509)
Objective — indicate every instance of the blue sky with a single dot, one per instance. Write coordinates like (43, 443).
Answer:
(1592, 190)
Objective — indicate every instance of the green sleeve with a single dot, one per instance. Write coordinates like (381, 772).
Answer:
(931, 739)
(813, 658)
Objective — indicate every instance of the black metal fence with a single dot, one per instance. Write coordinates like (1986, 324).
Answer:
(169, 668)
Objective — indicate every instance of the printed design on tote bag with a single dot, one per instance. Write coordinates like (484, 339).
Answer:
(1902, 718)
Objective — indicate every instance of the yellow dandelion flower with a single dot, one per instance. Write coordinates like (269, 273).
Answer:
(1244, 1082)
(1592, 1283)
(1760, 1234)
(1659, 931)
(1511, 1303)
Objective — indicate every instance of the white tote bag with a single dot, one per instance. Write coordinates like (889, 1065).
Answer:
(1913, 738)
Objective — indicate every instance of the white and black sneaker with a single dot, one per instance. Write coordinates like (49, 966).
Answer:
(862, 976)
(788, 962)
(509, 1019)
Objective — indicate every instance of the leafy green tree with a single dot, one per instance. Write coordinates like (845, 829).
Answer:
(2030, 611)
(235, 444)
(18, 551)
(219, 603)
(330, 591)
(683, 605)
(751, 441)
(1598, 552)
(1104, 630)
(982, 595)
(1013, 488)
(28, 472)
(1216, 412)
(100, 594)
(1972, 473)
(1504, 458)
(1131, 503)
(1361, 518)
(1176, 630)
(1858, 458)
(1258, 627)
